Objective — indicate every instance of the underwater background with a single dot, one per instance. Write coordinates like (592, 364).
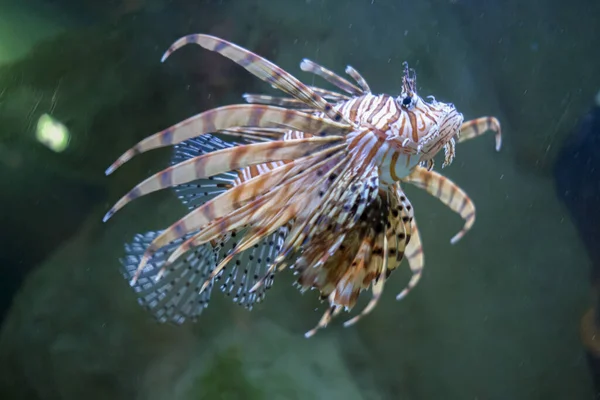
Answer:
(506, 313)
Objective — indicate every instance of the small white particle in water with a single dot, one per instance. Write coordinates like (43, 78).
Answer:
(406, 32)
(350, 26)
(501, 176)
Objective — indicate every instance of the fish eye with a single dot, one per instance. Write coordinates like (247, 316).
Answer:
(406, 100)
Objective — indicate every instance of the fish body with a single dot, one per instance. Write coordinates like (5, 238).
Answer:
(310, 182)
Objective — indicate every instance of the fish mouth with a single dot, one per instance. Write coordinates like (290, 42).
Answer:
(448, 129)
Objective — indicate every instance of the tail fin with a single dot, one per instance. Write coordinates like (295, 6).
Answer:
(173, 298)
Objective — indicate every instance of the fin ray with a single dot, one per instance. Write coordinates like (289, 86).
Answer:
(228, 117)
(261, 68)
(219, 161)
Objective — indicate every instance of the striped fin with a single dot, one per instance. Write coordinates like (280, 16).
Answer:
(175, 298)
(400, 215)
(216, 208)
(321, 265)
(348, 287)
(219, 161)
(248, 267)
(448, 193)
(329, 94)
(350, 191)
(233, 221)
(261, 68)
(199, 145)
(416, 261)
(331, 312)
(193, 195)
(308, 223)
(253, 238)
(235, 198)
(273, 260)
(367, 264)
(402, 219)
(198, 192)
(331, 77)
(313, 211)
(255, 134)
(377, 288)
(228, 117)
(250, 213)
(227, 225)
(476, 127)
(264, 215)
(406, 216)
(266, 134)
(359, 79)
(273, 100)
(361, 262)
(352, 200)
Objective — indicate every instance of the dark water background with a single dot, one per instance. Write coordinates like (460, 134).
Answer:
(495, 317)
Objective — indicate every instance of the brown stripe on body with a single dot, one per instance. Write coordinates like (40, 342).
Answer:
(413, 125)
(357, 139)
(391, 119)
(374, 149)
(426, 114)
(403, 125)
(370, 100)
(354, 109)
(393, 162)
(377, 109)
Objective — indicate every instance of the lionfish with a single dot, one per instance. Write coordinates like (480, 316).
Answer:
(311, 181)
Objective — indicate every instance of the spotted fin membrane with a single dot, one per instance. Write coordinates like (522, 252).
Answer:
(176, 295)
